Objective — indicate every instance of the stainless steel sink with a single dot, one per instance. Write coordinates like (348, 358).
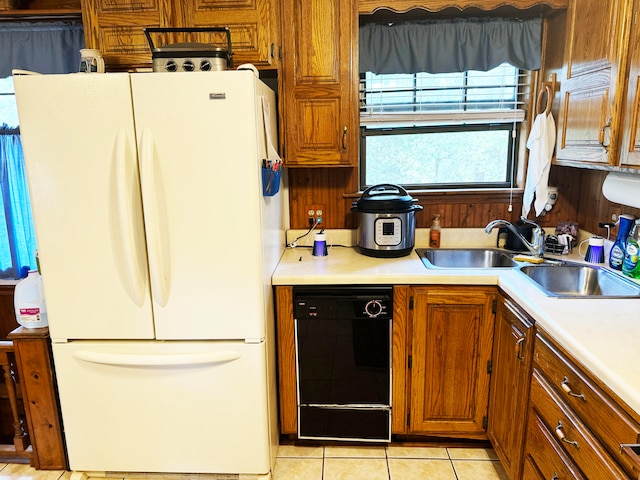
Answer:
(466, 258)
(580, 281)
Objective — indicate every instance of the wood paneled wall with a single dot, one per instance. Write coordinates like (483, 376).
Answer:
(581, 199)
(334, 189)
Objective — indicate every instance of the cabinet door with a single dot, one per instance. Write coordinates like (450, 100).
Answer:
(320, 113)
(115, 27)
(253, 25)
(630, 155)
(451, 351)
(589, 118)
(510, 380)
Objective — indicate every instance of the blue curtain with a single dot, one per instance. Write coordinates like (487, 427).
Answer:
(17, 235)
(47, 47)
(450, 45)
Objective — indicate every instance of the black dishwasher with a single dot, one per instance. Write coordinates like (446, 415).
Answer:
(343, 361)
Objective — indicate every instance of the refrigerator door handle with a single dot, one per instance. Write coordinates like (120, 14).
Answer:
(155, 220)
(150, 360)
(129, 262)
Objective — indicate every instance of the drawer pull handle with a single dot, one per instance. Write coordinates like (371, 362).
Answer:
(567, 389)
(519, 343)
(561, 436)
(555, 476)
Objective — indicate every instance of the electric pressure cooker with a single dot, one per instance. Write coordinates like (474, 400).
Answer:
(387, 222)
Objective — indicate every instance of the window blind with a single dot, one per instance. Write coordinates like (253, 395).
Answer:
(423, 99)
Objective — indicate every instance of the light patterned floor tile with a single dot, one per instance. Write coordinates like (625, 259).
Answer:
(298, 469)
(355, 452)
(26, 472)
(475, 469)
(420, 469)
(300, 451)
(472, 454)
(398, 451)
(355, 469)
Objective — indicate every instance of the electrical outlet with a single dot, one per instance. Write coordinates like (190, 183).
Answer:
(315, 214)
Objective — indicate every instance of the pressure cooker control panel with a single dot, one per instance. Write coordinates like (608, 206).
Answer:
(388, 231)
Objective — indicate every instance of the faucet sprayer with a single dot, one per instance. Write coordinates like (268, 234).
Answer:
(536, 247)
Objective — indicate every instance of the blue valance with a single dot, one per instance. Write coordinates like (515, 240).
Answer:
(451, 45)
(44, 47)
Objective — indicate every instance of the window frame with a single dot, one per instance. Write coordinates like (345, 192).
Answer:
(512, 166)
(425, 126)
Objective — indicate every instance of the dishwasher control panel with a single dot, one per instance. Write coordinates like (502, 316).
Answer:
(343, 302)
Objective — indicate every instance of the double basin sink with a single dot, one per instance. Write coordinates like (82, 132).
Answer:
(560, 279)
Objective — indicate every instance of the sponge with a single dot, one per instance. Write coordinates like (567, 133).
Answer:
(528, 258)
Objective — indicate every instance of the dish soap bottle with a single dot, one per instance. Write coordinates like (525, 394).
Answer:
(631, 252)
(616, 256)
(434, 233)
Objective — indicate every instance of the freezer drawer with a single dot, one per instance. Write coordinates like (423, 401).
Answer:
(143, 406)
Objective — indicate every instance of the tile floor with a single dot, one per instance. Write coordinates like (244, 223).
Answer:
(348, 463)
(386, 463)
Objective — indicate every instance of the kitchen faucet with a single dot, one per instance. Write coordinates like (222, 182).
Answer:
(536, 248)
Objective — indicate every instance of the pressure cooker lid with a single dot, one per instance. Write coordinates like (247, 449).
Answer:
(383, 198)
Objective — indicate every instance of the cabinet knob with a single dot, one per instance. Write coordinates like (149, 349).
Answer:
(602, 134)
(344, 139)
(567, 389)
(561, 436)
(519, 343)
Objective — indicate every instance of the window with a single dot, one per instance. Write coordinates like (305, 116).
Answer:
(447, 130)
(17, 233)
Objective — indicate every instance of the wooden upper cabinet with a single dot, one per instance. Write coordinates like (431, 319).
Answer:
(115, 27)
(592, 87)
(630, 154)
(399, 6)
(253, 25)
(320, 82)
(451, 354)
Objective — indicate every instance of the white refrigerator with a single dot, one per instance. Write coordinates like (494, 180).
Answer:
(157, 245)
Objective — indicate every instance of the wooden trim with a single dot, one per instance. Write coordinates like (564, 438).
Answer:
(399, 392)
(403, 6)
(286, 360)
(44, 14)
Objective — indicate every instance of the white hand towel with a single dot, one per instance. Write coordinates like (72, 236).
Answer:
(541, 142)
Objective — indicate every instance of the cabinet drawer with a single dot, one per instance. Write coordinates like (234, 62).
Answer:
(544, 459)
(595, 408)
(575, 438)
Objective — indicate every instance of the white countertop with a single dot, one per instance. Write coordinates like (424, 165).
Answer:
(602, 334)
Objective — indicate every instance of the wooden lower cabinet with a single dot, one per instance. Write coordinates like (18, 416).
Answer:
(578, 418)
(442, 340)
(510, 379)
(452, 336)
